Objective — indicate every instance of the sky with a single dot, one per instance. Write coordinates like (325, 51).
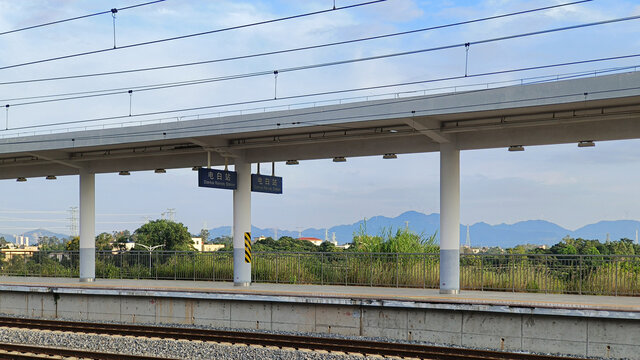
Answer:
(563, 184)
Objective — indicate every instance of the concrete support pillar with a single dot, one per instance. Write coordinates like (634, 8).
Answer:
(241, 223)
(87, 226)
(449, 219)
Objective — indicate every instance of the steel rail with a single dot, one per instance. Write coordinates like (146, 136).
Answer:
(364, 347)
(15, 351)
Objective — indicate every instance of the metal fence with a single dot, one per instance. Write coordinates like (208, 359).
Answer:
(569, 274)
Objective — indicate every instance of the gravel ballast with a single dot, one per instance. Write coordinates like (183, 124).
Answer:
(172, 349)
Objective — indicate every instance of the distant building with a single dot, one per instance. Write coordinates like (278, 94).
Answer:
(21, 240)
(212, 247)
(314, 241)
(117, 247)
(201, 246)
(27, 251)
(343, 247)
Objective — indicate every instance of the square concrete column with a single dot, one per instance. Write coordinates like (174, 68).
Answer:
(87, 226)
(241, 223)
(449, 219)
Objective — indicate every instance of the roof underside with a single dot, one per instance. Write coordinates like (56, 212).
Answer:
(599, 108)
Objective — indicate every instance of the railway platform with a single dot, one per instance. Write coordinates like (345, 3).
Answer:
(582, 325)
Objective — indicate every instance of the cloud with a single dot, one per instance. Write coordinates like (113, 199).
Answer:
(398, 10)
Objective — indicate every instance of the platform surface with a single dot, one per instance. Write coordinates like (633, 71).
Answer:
(409, 297)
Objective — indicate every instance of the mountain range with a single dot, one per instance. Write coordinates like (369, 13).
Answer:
(538, 232)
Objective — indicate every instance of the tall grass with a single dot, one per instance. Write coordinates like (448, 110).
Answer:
(572, 274)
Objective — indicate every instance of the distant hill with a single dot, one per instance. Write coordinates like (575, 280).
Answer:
(43, 232)
(617, 229)
(482, 234)
(33, 234)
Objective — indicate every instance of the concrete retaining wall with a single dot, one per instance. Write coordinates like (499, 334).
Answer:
(585, 336)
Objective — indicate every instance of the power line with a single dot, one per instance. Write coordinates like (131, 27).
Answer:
(276, 52)
(29, 228)
(188, 35)
(32, 212)
(242, 124)
(8, 219)
(110, 11)
(119, 91)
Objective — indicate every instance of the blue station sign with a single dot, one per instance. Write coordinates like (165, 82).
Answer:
(266, 184)
(219, 179)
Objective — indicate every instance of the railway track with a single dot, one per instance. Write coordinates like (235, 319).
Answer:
(273, 340)
(23, 352)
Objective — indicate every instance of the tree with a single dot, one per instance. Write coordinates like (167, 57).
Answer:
(174, 236)
(285, 243)
(204, 234)
(73, 244)
(104, 241)
(327, 246)
(51, 244)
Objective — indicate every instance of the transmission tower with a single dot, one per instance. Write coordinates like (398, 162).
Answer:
(467, 242)
(73, 220)
(170, 214)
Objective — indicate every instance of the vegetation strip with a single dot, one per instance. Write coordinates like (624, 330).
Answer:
(268, 339)
(36, 352)
(391, 259)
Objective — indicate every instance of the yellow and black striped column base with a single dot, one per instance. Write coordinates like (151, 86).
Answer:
(247, 247)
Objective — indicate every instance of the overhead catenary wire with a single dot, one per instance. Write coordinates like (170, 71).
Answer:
(181, 37)
(331, 92)
(108, 92)
(77, 18)
(284, 51)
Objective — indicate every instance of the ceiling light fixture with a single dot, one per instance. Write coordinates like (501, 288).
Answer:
(51, 177)
(516, 148)
(160, 171)
(339, 159)
(292, 162)
(196, 168)
(21, 179)
(390, 156)
(586, 143)
(124, 172)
